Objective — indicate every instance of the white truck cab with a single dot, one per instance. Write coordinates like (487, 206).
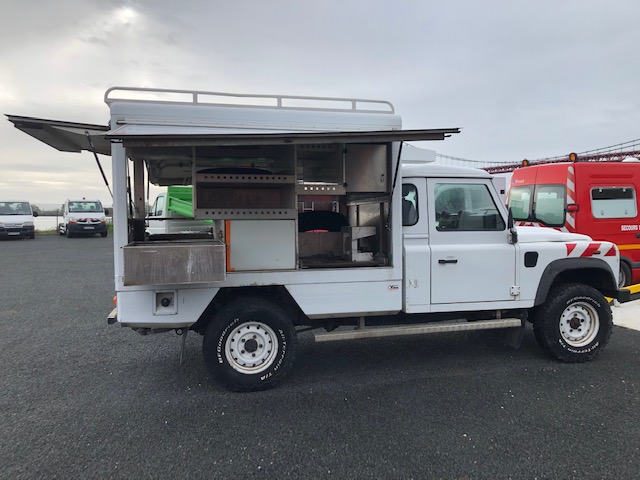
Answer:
(16, 219)
(317, 225)
(83, 218)
(172, 214)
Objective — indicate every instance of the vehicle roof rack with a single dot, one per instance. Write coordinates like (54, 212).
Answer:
(198, 97)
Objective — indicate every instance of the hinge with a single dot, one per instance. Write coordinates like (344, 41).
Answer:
(515, 290)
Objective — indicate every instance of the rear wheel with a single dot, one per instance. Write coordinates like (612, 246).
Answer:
(250, 345)
(625, 275)
(103, 234)
(575, 324)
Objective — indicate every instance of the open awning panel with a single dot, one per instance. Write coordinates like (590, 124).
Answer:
(178, 136)
(74, 137)
(64, 136)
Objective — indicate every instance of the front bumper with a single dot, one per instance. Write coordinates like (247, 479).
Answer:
(633, 291)
(87, 228)
(626, 294)
(17, 231)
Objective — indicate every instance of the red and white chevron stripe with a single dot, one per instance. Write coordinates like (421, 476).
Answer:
(592, 249)
(570, 218)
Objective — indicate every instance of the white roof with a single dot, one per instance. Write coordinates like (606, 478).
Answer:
(168, 118)
(412, 154)
(436, 170)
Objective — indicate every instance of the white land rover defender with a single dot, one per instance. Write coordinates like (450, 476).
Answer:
(316, 224)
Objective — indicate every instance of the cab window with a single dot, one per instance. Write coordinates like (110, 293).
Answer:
(613, 202)
(466, 207)
(409, 205)
(158, 207)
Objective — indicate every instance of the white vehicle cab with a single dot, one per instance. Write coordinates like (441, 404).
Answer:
(317, 225)
(83, 217)
(16, 219)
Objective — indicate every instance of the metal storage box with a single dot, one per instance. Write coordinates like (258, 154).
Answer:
(176, 262)
(366, 168)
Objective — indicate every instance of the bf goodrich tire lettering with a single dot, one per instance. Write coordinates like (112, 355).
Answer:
(250, 344)
(575, 324)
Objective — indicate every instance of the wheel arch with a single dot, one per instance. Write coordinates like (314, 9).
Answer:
(277, 294)
(628, 261)
(589, 271)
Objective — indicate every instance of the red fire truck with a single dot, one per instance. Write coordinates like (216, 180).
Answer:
(598, 199)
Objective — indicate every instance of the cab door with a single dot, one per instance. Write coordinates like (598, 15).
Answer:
(155, 226)
(472, 260)
(415, 241)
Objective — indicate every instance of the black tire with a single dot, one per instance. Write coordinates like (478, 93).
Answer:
(625, 274)
(575, 324)
(68, 232)
(32, 236)
(103, 234)
(60, 229)
(236, 345)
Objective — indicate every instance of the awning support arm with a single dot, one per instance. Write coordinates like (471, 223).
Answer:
(104, 177)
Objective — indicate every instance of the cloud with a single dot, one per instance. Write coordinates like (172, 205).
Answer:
(523, 79)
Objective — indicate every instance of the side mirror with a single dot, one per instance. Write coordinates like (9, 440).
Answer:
(513, 233)
(107, 211)
(35, 214)
(573, 207)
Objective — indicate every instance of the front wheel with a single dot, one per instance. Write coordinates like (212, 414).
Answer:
(250, 345)
(575, 324)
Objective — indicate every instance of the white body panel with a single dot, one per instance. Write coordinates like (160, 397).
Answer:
(276, 236)
(338, 299)
(141, 308)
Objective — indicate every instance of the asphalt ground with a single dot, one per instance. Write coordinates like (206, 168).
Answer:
(81, 399)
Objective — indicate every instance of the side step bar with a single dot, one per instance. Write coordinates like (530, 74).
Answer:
(441, 327)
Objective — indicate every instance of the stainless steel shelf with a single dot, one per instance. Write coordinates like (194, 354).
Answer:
(243, 178)
(320, 189)
(246, 213)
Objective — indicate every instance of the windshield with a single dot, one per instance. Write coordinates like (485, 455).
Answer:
(15, 208)
(546, 204)
(78, 207)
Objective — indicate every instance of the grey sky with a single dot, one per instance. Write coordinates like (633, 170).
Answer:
(524, 79)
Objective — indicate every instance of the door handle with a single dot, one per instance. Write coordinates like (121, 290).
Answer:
(637, 235)
(441, 261)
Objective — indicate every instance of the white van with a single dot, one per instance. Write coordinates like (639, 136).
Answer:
(16, 220)
(83, 217)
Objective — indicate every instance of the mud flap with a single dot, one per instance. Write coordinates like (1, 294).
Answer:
(512, 337)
